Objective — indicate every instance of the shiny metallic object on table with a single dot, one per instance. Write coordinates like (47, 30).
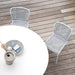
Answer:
(15, 45)
(9, 57)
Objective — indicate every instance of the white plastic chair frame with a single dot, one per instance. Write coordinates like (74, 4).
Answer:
(20, 16)
(59, 38)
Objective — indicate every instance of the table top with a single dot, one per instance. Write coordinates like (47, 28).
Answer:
(34, 59)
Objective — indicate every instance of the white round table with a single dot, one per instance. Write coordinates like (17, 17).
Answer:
(34, 59)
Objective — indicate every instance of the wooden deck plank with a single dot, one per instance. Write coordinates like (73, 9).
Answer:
(24, 5)
(68, 10)
(44, 13)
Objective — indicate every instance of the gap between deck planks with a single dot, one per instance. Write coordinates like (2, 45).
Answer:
(44, 13)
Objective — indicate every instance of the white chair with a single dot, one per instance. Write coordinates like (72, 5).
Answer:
(20, 16)
(59, 38)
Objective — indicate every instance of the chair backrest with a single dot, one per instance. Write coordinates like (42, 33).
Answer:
(62, 30)
(20, 13)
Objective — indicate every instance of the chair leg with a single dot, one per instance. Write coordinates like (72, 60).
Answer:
(56, 59)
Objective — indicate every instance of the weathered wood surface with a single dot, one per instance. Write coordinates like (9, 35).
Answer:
(44, 13)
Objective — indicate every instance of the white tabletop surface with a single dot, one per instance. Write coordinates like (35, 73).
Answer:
(34, 59)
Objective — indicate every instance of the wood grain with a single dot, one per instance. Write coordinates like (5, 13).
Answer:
(43, 15)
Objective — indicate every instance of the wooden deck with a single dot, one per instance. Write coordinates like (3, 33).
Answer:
(44, 13)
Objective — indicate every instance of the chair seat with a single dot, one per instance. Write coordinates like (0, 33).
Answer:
(55, 44)
(20, 23)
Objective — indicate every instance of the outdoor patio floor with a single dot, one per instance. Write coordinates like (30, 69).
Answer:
(43, 14)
